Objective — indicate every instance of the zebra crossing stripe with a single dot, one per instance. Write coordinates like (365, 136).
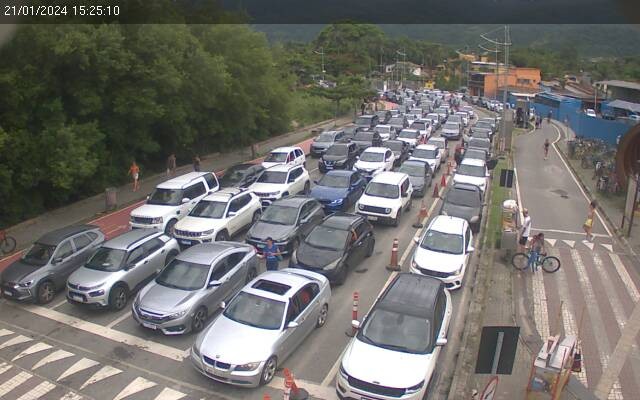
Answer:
(607, 246)
(552, 242)
(15, 341)
(588, 244)
(170, 394)
(53, 357)
(31, 350)
(14, 382)
(569, 243)
(5, 332)
(4, 367)
(137, 385)
(80, 365)
(103, 373)
(38, 392)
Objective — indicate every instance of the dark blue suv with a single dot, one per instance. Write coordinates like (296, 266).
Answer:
(338, 190)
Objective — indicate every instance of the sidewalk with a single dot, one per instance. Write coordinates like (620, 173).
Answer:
(611, 206)
(85, 210)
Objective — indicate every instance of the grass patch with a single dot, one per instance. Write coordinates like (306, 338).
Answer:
(498, 196)
(307, 109)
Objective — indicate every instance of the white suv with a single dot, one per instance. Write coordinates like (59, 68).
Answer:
(429, 153)
(284, 156)
(172, 200)
(386, 197)
(374, 160)
(444, 250)
(281, 181)
(472, 171)
(218, 217)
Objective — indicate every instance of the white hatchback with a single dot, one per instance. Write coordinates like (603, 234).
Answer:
(374, 160)
(284, 156)
(444, 250)
(472, 171)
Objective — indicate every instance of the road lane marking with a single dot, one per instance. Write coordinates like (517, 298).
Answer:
(137, 385)
(60, 303)
(566, 232)
(4, 367)
(570, 243)
(540, 306)
(597, 324)
(36, 348)
(607, 246)
(14, 382)
(121, 318)
(15, 341)
(588, 244)
(169, 394)
(71, 396)
(38, 392)
(107, 333)
(632, 290)
(577, 182)
(103, 373)
(53, 357)
(5, 332)
(552, 242)
(80, 365)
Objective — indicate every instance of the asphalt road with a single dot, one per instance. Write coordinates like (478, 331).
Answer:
(128, 357)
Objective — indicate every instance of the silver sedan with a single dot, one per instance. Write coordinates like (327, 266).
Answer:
(261, 326)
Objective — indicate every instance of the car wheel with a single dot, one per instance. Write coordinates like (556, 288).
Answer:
(370, 247)
(46, 292)
(396, 222)
(118, 298)
(169, 228)
(307, 188)
(172, 254)
(222, 236)
(322, 318)
(256, 216)
(251, 274)
(269, 370)
(199, 319)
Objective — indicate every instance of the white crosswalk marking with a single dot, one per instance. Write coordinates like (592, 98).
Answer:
(55, 356)
(170, 394)
(588, 244)
(137, 385)
(13, 383)
(607, 246)
(626, 279)
(4, 367)
(569, 243)
(80, 365)
(5, 332)
(540, 313)
(38, 392)
(103, 373)
(14, 341)
(552, 242)
(38, 347)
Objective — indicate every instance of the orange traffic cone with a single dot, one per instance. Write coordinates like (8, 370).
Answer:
(393, 264)
(436, 192)
(424, 213)
(443, 181)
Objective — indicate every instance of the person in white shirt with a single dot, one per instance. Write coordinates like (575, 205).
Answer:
(525, 231)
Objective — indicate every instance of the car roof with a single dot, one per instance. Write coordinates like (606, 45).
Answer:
(426, 147)
(416, 161)
(389, 177)
(473, 161)
(282, 168)
(225, 194)
(376, 150)
(340, 172)
(180, 181)
(125, 240)
(465, 186)
(283, 278)
(341, 220)
(285, 149)
(57, 236)
(293, 201)
(383, 126)
(436, 139)
(447, 224)
(409, 130)
(411, 294)
(207, 253)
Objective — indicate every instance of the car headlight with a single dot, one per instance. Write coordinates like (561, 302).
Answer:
(415, 388)
(414, 264)
(195, 350)
(157, 220)
(207, 233)
(361, 206)
(459, 270)
(178, 314)
(248, 366)
(26, 284)
(387, 211)
(337, 202)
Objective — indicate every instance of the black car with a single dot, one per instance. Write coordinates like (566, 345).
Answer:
(420, 176)
(367, 139)
(337, 244)
(383, 116)
(398, 123)
(350, 131)
(367, 121)
(338, 156)
(400, 149)
(240, 175)
(464, 201)
(286, 221)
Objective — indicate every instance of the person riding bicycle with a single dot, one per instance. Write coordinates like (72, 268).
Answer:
(537, 248)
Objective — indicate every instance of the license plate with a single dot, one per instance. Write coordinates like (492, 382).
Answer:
(372, 218)
(149, 326)
(7, 293)
(186, 242)
(77, 298)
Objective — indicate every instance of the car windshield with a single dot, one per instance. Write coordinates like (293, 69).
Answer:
(429, 154)
(337, 151)
(209, 209)
(276, 157)
(323, 237)
(166, 197)
(106, 259)
(279, 215)
(325, 137)
(483, 144)
(363, 136)
(483, 124)
(183, 275)
(382, 190)
(438, 143)
(412, 169)
(433, 116)
(451, 126)
(334, 181)
(232, 176)
(363, 121)
(273, 177)
(480, 135)
(475, 154)
(259, 312)
(383, 129)
(455, 118)
(394, 145)
(371, 156)
(465, 198)
(396, 121)
(441, 242)
(39, 254)
(419, 125)
(471, 170)
(408, 134)
(394, 331)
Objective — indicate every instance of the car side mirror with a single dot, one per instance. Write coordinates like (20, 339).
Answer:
(416, 239)
(471, 249)
(292, 324)
(223, 305)
(355, 324)
(441, 341)
(214, 283)
(231, 214)
(185, 200)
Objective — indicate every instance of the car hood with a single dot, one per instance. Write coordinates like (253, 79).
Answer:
(267, 187)
(89, 277)
(313, 257)
(328, 193)
(262, 230)
(162, 299)
(435, 261)
(152, 210)
(379, 201)
(474, 180)
(410, 141)
(198, 224)
(459, 211)
(327, 157)
(368, 166)
(235, 343)
(393, 368)
(18, 271)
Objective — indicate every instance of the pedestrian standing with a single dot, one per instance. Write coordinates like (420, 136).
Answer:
(272, 255)
(525, 231)
(588, 224)
(134, 171)
(362, 107)
(171, 165)
(537, 248)
(196, 163)
(546, 148)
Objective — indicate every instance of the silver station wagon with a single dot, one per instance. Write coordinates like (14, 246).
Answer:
(194, 285)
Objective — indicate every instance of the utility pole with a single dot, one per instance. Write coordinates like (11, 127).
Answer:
(404, 64)
(321, 52)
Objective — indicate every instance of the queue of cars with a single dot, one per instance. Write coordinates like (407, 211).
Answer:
(180, 267)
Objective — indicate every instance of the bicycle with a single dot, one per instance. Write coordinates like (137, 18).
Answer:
(549, 264)
(7, 243)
